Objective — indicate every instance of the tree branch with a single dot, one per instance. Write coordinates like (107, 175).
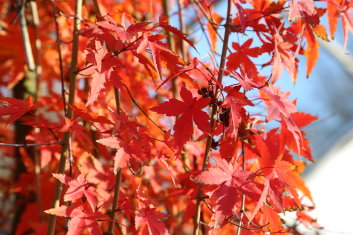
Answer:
(213, 115)
(68, 114)
(242, 209)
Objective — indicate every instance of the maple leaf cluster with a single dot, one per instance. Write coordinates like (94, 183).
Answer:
(133, 127)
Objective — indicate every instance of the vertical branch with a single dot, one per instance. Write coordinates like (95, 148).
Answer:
(97, 7)
(20, 130)
(58, 48)
(37, 43)
(213, 115)
(182, 29)
(117, 179)
(242, 209)
(171, 43)
(203, 31)
(25, 38)
(37, 46)
(111, 224)
(68, 114)
(74, 55)
(115, 203)
(20, 135)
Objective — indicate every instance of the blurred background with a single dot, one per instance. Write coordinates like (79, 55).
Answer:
(328, 95)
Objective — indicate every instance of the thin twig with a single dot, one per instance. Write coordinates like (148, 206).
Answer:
(138, 106)
(137, 173)
(247, 228)
(204, 32)
(235, 26)
(198, 4)
(117, 53)
(213, 115)
(31, 145)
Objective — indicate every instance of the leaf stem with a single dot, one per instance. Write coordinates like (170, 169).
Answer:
(213, 115)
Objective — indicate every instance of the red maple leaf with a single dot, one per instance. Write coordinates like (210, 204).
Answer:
(82, 111)
(282, 56)
(121, 158)
(300, 9)
(277, 103)
(131, 141)
(273, 220)
(286, 173)
(231, 182)
(156, 47)
(82, 217)
(78, 188)
(15, 108)
(163, 22)
(148, 221)
(244, 80)
(190, 110)
(101, 66)
(279, 106)
(78, 130)
(241, 57)
(294, 137)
